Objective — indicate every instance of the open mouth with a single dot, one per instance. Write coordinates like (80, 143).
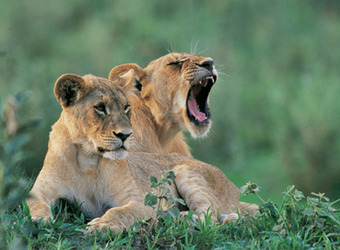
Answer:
(197, 100)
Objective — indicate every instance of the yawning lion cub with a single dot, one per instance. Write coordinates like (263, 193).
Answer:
(173, 97)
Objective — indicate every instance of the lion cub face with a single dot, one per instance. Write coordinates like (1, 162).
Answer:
(187, 78)
(96, 113)
(176, 88)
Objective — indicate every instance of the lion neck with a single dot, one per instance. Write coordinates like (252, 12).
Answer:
(160, 129)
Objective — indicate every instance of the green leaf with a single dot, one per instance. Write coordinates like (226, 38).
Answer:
(153, 179)
(166, 190)
(179, 200)
(163, 181)
(150, 199)
(312, 201)
(298, 195)
(321, 196)
(172, 199)
(154, 182)
(171, 175)
(252, 188)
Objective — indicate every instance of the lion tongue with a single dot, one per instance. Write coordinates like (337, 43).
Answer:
(193, 108)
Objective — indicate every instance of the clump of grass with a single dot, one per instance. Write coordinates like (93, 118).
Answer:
(297, 222)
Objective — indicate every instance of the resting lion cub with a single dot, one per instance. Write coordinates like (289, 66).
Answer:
(84, 161)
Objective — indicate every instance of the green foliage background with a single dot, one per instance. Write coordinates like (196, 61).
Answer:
(275, 107)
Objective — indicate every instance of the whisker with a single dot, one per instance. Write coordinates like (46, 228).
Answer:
(194, 49)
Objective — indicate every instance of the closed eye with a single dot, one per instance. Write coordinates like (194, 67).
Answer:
(100, 109)
(177, 63)
(127, 108)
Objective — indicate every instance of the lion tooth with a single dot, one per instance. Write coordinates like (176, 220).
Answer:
(211, 78)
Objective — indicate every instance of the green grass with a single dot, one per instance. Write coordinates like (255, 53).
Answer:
(296, 223)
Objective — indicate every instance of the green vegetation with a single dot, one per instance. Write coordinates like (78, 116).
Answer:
(297, 223)
(275, 109)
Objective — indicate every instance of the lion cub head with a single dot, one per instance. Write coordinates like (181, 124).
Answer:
(96, 114)
(176, 88)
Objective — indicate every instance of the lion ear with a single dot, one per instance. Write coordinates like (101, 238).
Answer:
(123, 68)
(127, 83)
(120, 70)
(69, 88)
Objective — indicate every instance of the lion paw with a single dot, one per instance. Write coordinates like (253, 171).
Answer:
(101, 225)
(43, 218)
(185, 213)
(227, 218)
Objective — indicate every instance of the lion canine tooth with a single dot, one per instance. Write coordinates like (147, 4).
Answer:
(211, 78)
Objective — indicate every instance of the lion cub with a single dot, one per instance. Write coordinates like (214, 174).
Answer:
(87, 161)
(85, 158)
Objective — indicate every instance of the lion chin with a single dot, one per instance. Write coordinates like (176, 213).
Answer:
(115, 155)
(199, 130)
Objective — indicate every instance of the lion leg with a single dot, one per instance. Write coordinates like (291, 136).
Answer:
(40, 204)
(244, 209)
(247, 208)
(43, 195)
(120, 218)
(205, 188)
(39, 209)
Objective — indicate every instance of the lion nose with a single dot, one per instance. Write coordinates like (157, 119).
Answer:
(123, 135)
(208, 64)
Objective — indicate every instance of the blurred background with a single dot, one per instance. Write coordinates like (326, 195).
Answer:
(275, 107)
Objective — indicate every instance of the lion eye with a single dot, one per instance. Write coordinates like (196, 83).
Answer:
(100, 109)
(177, 63)
(127, 108)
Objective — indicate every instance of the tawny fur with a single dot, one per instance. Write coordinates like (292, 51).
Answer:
(75, 169)
(86, 160)
(159, 115)
(201, 185)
